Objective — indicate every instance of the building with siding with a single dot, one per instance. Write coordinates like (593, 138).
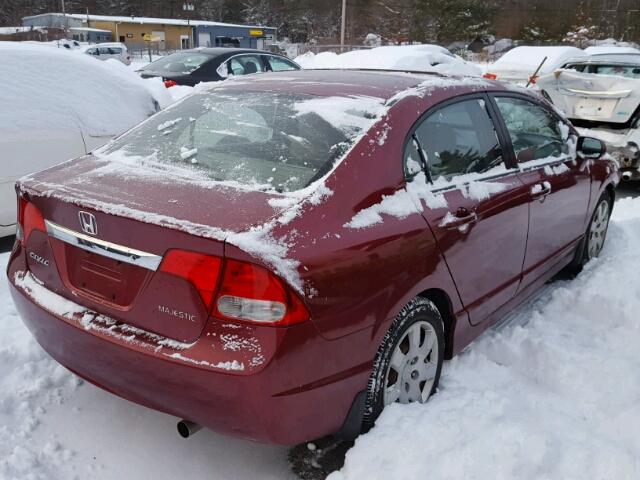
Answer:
(163, 33)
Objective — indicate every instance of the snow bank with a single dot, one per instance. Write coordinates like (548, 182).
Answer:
(45, 87)
(419, 58)
(553, 394)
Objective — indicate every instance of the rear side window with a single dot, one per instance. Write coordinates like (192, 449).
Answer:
(534, 131)
(280, 64)
(459, 139)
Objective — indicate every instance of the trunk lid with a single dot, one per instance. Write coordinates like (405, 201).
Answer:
(109, 227)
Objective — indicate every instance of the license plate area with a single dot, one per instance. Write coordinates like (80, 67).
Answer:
(594, 107)
(104, 279)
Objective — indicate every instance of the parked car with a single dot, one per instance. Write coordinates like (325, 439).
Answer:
(425, 58)
(602, 92)
(520, 64)
(105, 51)
(190, 67)
(55, 106)
(280, 258)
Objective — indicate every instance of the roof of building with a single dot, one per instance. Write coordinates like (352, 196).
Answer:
(87, 29)
(145, 20)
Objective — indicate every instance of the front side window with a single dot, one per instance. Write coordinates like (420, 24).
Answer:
(459, 139)
(534, 131)
(280, 64)
(267, 140)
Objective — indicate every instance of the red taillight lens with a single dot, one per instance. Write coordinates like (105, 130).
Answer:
(251, 293)
(170, 83)
(490, 76)
(29, 219)
(201, 270)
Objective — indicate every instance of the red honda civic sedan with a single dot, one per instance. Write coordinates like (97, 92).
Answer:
(279, 257)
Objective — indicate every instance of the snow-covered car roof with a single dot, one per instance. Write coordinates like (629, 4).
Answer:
(416, 58)
(607, 49)
(84, 48)
(523, 61)
(610, 58)
(43, 87)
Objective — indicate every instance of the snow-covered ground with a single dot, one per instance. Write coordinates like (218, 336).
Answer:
(554, 395)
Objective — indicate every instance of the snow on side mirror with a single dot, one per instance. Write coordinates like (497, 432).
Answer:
(589, 147)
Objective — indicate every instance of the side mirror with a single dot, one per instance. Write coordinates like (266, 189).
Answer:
(589, 147)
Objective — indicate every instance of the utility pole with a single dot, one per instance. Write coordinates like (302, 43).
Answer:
(189, 7)
(344, 23)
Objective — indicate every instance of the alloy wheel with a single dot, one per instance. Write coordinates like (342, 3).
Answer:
(412, 370)
(598, 229)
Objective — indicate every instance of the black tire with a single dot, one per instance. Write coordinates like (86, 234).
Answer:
(417, 310)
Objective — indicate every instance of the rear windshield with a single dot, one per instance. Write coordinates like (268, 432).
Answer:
(271, 141)
(629, 71)
(181, 62)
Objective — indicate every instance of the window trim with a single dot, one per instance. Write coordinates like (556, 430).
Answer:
(507, 153)
(522, 167)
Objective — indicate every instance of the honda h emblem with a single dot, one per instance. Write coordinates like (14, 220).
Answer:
(88, 223)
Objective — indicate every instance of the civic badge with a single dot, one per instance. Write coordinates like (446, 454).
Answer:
(88, 223)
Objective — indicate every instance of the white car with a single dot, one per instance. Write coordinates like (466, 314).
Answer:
(414, 58)
(602, 93)
(58, 105)
(105, 51)
(519, 64)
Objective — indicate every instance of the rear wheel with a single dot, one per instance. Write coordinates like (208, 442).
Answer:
(409, 361)
(598, 227)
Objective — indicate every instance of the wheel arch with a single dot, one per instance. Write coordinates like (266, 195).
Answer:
(441, 300)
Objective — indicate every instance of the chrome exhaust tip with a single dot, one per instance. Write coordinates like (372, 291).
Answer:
(626, 176)
(187, 428)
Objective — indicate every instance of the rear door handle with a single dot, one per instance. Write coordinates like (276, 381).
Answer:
(462, 218)
(540, 190)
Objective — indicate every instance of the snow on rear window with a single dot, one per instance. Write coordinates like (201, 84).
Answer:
(267, 140)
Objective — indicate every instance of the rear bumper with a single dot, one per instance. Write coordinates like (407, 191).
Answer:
(257, 383)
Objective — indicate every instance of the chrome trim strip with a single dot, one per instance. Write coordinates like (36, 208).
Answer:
(102, 247)
(600, 93)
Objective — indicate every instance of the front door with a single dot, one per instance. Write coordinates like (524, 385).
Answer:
(479, 213)
(558, 182)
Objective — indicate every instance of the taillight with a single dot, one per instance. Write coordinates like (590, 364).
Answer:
(247, 292)
(251, 293)
(170, 83)
(201, 270)
(29, 219)
(490, 76)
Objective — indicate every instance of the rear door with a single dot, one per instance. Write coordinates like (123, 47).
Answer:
(558, 183)
(482, 229)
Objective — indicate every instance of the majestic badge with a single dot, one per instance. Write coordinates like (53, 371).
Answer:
(88, 223)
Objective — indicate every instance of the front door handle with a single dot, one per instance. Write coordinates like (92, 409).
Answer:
(540, 190)
(460, 220)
